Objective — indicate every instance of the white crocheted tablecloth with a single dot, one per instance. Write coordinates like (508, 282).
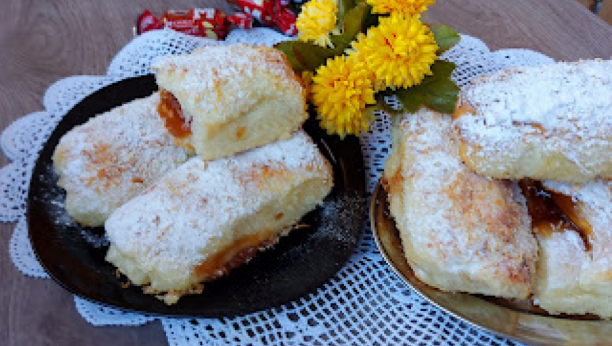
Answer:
(364, 304)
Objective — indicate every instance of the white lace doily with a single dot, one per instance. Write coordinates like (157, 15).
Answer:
(364, 304)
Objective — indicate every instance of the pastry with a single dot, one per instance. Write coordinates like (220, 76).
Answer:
(589, 206)
(460, 231)
(574, 230)
(221, 100)
(112, 158)
(552, 122)
(207, 217)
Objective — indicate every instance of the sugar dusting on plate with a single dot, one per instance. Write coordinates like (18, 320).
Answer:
(55, 197)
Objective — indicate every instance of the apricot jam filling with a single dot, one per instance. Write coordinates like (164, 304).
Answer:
(170, 111)
(546, 213)
(239, 252)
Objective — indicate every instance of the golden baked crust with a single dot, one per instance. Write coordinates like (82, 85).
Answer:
(551, 122)
(204, 218)
(112, 158)
(460, 231)
(233, 97)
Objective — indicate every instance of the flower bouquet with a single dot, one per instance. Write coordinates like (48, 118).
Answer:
(352, 54)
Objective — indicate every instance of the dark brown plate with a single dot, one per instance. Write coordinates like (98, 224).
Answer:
(513, 319)
(74, 256)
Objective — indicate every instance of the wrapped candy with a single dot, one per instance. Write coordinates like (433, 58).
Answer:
(261, 10)
(205, 22)
(147, 21)
(182, 21)
(241, 20)
(285, 19)
(269, 13)
(211, 22)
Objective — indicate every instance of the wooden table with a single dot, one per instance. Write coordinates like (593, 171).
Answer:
(43, 41)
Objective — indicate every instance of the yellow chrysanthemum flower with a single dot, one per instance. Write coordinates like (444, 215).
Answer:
(399, 51)
(406, 7)
(341, 90)
(317, 21)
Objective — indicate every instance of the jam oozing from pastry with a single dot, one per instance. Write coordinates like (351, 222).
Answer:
(234, 255)
(546, 215)
(170, 110)
(568, 206)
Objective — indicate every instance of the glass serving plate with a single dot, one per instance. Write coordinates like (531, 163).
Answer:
(514, 320)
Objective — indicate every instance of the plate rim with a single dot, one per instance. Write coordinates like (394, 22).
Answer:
(359, 192)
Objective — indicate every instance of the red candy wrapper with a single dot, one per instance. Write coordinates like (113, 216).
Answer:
(178, 20)
(205, 22)
(181, 21)
(285, 19)
(269, 13)
(147, 21)
(241, 20)
(211, 22)
(261, 10)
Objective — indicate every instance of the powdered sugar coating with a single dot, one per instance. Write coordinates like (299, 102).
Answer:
(594, 199)
(557, 288)
(234, 97)
(594, 203)
(113, 157)
(550, 122)
(460, 231)
(198, 209)
(221, 72)
(572, 278)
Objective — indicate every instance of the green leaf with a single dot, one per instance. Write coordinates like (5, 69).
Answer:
(437, 92)
(410, 99)
(287, 48)
(445, 37)
(353, 24)
(443, 98)
(311, 56)
(371, 20)
(344, 6)
(355, 19)
(304, 56)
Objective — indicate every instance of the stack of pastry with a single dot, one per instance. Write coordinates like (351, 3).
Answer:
(195, 179)
(512, 197)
